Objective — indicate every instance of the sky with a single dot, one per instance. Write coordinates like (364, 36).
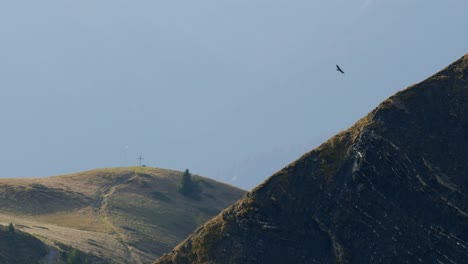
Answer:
(231, 90)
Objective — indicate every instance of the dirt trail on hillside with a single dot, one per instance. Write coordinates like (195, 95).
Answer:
(100, 208)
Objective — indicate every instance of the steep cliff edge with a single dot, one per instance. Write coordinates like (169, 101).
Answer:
(392, 188)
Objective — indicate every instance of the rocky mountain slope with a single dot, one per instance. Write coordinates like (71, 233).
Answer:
(393, 188)
(119, 215)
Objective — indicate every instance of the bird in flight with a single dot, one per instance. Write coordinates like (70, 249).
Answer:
(339, 69)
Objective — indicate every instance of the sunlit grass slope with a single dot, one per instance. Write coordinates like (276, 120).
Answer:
(123, 215)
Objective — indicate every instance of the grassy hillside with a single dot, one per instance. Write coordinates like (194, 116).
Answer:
(124, 215)
(18, 247)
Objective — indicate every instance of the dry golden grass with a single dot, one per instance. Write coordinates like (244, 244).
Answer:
(126, 215)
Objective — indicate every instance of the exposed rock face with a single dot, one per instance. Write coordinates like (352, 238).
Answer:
(391, 189)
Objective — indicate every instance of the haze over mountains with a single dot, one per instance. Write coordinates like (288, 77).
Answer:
(390, 189)
(393, 188)
(117, 215)
(91, 84)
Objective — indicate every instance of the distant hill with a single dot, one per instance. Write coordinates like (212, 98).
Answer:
(393, 188)
(116, 215)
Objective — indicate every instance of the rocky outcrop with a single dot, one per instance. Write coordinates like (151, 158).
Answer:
(391, 189)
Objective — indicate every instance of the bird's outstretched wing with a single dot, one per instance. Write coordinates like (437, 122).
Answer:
(339, 69)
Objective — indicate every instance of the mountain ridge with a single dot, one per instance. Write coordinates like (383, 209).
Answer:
(391, 188)
(123, 215)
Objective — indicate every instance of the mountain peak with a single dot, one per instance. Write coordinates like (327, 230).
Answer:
(391, 189)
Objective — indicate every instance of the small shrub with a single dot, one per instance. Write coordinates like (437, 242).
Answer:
(76, 257)
(160, 196)
(11, 228)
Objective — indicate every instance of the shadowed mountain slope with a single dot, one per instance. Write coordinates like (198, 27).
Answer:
(118, 215)
(17, 247)
(391, 189)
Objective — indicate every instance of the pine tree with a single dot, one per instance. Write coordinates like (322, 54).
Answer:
(185, 183)
(11, 228)
(187, 186)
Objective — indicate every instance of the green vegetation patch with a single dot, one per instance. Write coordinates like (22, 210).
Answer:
(188, 186)
(76, 257)
(332, 154)
(160, 196)
(39, 186)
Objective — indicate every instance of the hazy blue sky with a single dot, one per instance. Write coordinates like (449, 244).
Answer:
(233, 90)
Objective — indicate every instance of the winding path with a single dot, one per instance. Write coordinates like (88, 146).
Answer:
(100, 208)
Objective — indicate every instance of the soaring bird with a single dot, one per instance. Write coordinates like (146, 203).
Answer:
(339, 69)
